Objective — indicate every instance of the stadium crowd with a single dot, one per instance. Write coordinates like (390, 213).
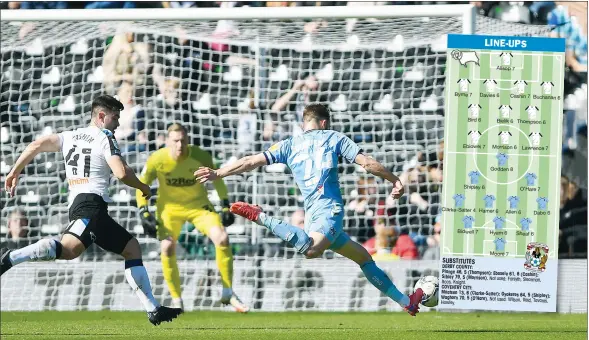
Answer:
(210, 88)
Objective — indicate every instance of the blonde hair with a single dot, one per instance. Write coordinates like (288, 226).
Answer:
(177, 127)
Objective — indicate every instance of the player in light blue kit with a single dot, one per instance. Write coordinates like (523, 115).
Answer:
(499, 222)
(489, 199)
(525, 223)
(513, 202)
(468, 220)
(499, 244)
(474, 177)
(530, 178)
(458, 200)
(313, 159)
(542, 202)
(502, 158)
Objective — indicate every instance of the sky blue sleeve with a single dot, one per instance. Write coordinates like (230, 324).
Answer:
(347, 148)
(278, 153)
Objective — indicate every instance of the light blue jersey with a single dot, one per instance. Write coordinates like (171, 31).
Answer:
(542, 202)
(489, 199)
(474, 177)
(525, 223)
(499, 244)
(513, 202)
(499, 222)
(530, 178)
(313, 159)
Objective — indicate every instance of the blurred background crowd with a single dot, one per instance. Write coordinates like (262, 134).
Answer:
(237, 100)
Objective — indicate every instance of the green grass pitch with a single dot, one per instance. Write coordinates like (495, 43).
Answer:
(294, 325)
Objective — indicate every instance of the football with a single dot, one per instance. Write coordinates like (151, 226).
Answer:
(429, 285)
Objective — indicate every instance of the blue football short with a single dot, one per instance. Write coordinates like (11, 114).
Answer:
(328, 221)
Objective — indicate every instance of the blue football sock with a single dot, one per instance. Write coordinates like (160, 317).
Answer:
(380, 280)
(294, 236)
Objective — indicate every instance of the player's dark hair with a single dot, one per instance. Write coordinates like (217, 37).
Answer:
(106, 102)
(316, 112)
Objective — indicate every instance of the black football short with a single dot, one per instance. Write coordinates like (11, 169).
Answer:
(91, 223)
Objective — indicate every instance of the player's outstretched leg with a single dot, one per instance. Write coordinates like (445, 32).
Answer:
(294, 236)
(138, 279)
(43, 250)
(379, 278)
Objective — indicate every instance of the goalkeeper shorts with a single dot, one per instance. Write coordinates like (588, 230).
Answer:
(170, 219)
(91, 223)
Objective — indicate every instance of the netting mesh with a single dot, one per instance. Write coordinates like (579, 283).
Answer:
(239, 87)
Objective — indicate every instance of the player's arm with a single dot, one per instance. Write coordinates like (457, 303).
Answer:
(119, 167)
(50, 143)
(374, 167)
(227, 218)
(245, 164)
(148, 175)
(353, 154)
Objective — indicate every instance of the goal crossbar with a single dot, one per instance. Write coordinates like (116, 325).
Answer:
(468, 13)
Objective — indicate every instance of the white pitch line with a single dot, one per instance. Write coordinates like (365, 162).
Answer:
(490, 153)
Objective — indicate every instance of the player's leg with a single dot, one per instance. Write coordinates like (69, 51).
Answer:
(73, 242)
(170, 225)
(357, 253)
(209, 223)
(112, 237)
(294, 236)
(312, 244)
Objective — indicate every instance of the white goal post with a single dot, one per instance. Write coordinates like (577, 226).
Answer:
(237, 77)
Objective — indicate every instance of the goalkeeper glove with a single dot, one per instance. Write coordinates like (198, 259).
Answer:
(227, 218)
(148, 222)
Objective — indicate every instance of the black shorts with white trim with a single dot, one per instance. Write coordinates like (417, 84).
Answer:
(91, 223)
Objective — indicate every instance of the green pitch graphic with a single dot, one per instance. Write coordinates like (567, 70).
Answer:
(503, 144)
(500, 201)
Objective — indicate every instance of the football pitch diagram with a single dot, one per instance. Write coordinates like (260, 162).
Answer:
(500, 201)
(502, 132)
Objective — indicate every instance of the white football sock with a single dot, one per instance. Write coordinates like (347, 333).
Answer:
(139, 282)
(43, 250)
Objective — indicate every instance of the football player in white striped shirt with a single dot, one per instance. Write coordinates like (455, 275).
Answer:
(90, 154)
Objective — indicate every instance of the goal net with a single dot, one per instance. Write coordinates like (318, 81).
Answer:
(238, 86)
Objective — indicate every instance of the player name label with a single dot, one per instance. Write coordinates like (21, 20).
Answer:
(538, 148)
(541, 97)
(462, 94)
(466, 231)
(531, 122)
(473, 146)
(466, 210)
(501, 168)
(488, 95)
(504, 147)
